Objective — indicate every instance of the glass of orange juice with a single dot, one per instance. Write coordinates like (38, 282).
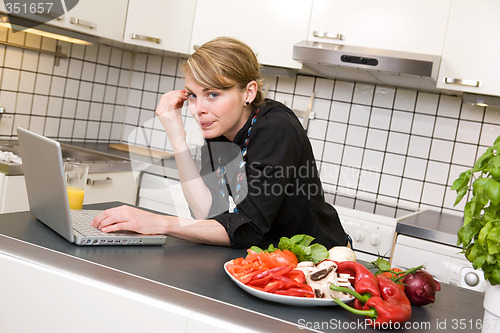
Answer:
(76, 178)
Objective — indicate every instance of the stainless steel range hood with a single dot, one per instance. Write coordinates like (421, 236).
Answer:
(16, 24)
(368, 64)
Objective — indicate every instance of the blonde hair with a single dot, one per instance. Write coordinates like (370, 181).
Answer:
(223, 63)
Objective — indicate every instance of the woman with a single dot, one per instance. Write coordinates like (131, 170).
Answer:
(258, 180)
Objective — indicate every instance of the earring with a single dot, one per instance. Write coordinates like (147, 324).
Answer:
(246, 103)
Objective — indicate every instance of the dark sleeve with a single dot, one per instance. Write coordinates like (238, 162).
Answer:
(209, 176)
(274, 145)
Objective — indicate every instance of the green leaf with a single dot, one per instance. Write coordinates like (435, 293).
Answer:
(472, 209)
(256, 249)
(493, 241)
(461, 192)
(382, 264)
(492, 213)
(482, 161)
(493, 167)
(299, 245)
(304, 240)
(476, 255)
(461, 185)
(478, 188)
(462, 180)
(468, 231)
(319, 253)
(490, 259)
(483, 233)
(492, 274)
(495, 277)
(492, 190)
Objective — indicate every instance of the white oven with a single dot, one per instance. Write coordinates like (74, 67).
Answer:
(446, 263)
(372, 234)
(429, 238)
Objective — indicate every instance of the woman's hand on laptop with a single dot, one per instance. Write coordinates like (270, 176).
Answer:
(130, 219)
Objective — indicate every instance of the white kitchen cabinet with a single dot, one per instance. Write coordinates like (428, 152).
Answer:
(470, 56)
(162, 194)
(96, 17)
(401, 25)
(13, 196)
(270, 27)
(112, 186)
(160, 24)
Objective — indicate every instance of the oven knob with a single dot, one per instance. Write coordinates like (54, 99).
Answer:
(471, 279)
(359, 236)
(375, 240)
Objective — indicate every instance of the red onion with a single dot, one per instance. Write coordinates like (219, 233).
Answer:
(420, 288)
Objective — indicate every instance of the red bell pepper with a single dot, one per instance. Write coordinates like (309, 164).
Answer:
(297, 292)
(259, 282)
(365, 283)
(272, 286)
(392, 306)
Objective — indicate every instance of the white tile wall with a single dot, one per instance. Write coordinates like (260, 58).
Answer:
(385, 144)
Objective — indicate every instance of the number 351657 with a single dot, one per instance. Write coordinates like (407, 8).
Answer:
(28, 8)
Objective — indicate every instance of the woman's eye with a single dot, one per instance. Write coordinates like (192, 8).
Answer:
(191, 96)
(212, 95)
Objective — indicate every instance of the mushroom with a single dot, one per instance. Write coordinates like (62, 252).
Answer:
(322, 277)
(341, 253)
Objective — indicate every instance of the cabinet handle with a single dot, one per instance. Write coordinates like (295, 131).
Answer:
(105, 181)
(329, 35)
(87, 24)
(462, 82)
(146, 38)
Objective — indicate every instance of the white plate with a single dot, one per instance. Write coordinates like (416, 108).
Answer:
(290, 300)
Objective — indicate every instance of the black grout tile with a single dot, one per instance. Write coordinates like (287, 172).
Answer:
(102, 78)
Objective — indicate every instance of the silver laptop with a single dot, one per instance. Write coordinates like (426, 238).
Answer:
(48, 199)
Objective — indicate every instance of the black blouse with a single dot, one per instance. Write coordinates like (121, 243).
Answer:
(280, 194)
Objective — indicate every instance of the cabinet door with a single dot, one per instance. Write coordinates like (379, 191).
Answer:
(161, 24)
(101, 18)
(13, 194)
(471, 51)
(401, 25)
(113, 186)
(270, 27)
(163, 195)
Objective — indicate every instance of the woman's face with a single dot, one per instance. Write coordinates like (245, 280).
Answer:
(218, 112)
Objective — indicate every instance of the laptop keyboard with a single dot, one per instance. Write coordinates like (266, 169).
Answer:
(82, 223)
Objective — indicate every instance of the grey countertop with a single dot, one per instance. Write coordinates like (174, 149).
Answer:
(165, 270)
(432, 225)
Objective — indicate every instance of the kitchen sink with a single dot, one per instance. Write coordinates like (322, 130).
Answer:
(97, 161)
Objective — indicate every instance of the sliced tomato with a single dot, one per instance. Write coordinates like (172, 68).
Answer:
(292, 258)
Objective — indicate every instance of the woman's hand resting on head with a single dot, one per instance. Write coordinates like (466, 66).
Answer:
(169, 111)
